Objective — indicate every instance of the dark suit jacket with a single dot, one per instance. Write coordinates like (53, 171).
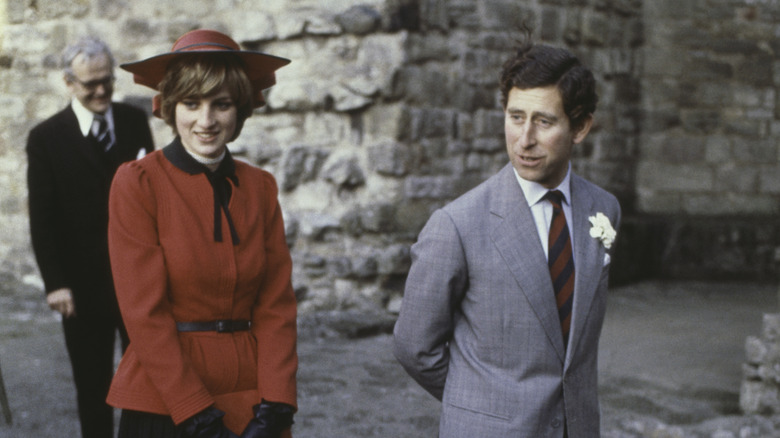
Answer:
(479, 326)
(68, 182)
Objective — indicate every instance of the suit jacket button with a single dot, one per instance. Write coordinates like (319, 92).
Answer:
(556, 423)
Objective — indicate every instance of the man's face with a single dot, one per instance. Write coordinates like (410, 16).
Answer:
(93, 82)
(539, 136)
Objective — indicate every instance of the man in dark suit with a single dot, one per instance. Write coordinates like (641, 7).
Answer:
(506, 294)
(72, 158)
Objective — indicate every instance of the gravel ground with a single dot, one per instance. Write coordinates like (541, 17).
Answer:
(670, 366)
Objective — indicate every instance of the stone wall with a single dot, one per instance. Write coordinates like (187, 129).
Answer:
(388, 110)
(710, 76)
(760, 391)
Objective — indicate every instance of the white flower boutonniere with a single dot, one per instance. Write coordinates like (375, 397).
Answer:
(602, 229)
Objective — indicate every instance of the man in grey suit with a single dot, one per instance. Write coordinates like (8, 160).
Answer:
(506, 294)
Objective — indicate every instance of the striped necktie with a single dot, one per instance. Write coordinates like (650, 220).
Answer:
(561, 262)
(101, 133)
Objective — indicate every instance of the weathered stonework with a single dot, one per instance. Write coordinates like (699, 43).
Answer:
(390, 109)
(760, 392)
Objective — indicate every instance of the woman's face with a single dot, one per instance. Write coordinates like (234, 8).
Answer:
(206, 124)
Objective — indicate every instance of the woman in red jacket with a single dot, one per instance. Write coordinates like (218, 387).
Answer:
(200, 262)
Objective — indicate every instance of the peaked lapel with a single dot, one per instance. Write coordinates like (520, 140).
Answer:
(588, 258)
(83, 145)
(517, 240)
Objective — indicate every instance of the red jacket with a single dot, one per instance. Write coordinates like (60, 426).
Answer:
(168, 268)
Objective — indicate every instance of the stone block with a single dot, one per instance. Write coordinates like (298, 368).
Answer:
(429, 47)
(344, 172)
(661, 62)
(296, 96)
(755, 70)
(767, 374)
(668, 10)
(314, 265)
(731, 177)
(488, 145)
(314, 226)
(359, 19)
(430, 14)
(702, 121)
(489, 123)
(378, 218)
(660, 120)
(251, 26)
(718, 149)
(390, 158)
(739, 125)
(677, 149)
(769, 179)
(59, 9)
(430, 123)
(665, 176)
(340, 267)
(758, 398)
(425, 85)
(394, 259)
(461, 14)
(504, 14)
(750, 372)
(364, 267)
(705, 69)
(551, 26)
(771, 327)
(346, 99)
(594, 24)
(384, 122)
(290, 26)
(728, 203)
(434, 187)
(756, 151)
(628, 7)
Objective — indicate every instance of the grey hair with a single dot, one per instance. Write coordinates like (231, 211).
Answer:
(89, 46)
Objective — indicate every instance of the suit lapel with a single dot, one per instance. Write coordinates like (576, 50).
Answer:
(516, 239)
(83, 145)
(588, 259)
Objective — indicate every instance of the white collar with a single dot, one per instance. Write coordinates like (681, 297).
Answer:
(85, 117)
(534, 192)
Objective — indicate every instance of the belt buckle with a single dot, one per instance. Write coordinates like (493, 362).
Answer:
(224, 326)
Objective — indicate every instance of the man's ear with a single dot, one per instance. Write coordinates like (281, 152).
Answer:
(68, 81)
(584, 129)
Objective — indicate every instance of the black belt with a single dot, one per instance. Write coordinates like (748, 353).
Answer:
(221, 326)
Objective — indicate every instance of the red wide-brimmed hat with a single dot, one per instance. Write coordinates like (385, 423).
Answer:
(260, 67)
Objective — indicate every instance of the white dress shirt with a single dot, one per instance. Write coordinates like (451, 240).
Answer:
(87, 117)
(542, 209)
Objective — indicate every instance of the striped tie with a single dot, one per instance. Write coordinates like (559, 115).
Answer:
(101, 133)
(561, 262)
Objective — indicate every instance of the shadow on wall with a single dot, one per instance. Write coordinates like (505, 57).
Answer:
(692, 247)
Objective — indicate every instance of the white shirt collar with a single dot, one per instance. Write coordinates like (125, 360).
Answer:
(85, 117)
(534, 192)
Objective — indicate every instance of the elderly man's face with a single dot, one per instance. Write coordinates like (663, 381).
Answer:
(93, 82)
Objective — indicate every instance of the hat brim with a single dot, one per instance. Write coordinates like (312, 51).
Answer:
(260, 67)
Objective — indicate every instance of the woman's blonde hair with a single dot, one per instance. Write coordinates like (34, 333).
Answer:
(203, 75)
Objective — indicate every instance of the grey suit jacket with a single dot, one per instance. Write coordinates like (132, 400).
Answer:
(479, 327)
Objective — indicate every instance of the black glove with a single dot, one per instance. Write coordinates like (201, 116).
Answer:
(206, 424)
(270, 420)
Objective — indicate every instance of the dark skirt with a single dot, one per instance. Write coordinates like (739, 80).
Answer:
(134, 424)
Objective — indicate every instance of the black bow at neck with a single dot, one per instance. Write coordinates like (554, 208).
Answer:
(222, 190)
